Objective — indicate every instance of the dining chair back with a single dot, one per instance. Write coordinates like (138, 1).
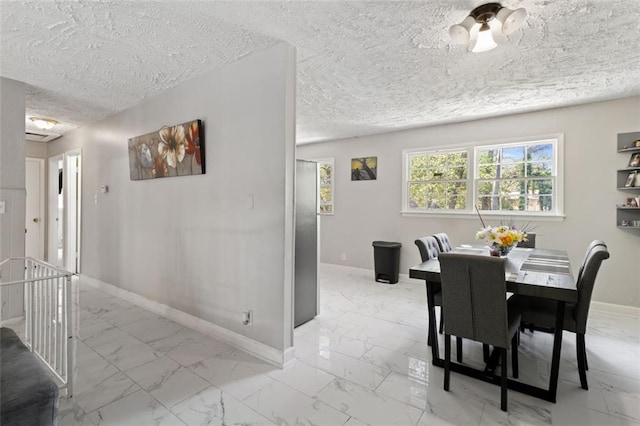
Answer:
(443, 242)
(585, 285)
(475, 307)
(530, 243)
(542, 312)
(428, 247)
(590, 247)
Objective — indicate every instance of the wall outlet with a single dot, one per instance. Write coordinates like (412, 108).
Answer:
(247, 317)
(343, 256)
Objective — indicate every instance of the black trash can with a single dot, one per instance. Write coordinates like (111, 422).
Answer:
(386, 256)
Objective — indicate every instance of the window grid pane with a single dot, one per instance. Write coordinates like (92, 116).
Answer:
(437, 181)
(513, 178)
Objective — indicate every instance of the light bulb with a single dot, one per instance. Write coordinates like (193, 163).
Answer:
(485, 41)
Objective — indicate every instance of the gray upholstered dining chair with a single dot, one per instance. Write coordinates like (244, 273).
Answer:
(474, 303)
(429, 249)
(542, 312)
(443, 242)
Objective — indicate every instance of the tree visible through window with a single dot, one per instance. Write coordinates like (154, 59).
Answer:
(507, 177)
(438, 180)
(325, 186)
(515, 177)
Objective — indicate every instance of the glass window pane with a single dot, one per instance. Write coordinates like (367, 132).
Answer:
(540, 187)
(512, 202)
(488, 203)
(488, 156)
(512, 188)
(512, 154)
(513, 170)
(489, 172)
(540, 152)
(436, 195)
(487, 188)
(417, 195)
(539, 169)
(456, 173)
(418, 174)
(438, 173)
(326, 208)
(418, 161)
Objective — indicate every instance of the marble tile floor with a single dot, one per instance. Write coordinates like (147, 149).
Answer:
(362, 361)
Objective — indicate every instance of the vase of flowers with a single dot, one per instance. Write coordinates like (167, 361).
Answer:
(501, 239)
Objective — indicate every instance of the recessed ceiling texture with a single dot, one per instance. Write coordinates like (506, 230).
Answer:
(363, 66)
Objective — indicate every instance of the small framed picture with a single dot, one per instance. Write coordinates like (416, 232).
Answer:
(631, 202)
(634, 161)
(631, 179)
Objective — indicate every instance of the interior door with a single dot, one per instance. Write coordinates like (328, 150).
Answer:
(34, 224)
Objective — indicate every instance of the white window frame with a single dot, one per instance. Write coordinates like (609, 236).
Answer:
(472, 169)
(331, 161)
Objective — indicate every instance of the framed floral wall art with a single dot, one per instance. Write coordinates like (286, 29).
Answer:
(171, 151)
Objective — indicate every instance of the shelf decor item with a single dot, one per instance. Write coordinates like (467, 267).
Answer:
(631, 180)
(634, 161)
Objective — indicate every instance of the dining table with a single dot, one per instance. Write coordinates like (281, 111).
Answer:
(537, 272)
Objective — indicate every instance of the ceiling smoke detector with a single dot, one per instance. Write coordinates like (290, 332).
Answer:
(478, 27)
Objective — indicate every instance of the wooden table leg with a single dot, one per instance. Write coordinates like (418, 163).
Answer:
(557, 346)
(433, 332)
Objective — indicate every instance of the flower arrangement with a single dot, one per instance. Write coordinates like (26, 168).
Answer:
(501, 238)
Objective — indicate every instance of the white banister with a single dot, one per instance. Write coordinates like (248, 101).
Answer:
(47, 313)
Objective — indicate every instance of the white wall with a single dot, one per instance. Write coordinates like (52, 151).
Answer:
(36, 149)
(192, 242)
(370, 210)
(12, 188)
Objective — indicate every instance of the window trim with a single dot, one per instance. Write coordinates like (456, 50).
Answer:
(329, 160)
(472, 149)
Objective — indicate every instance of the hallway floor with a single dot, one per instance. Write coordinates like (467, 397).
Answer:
(363, 360)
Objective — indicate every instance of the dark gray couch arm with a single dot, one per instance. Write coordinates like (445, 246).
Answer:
(28, 394)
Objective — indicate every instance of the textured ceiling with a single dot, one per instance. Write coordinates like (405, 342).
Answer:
(363, 66)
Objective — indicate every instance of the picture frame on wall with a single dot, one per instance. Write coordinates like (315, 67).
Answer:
(364, 168)
(170, 151)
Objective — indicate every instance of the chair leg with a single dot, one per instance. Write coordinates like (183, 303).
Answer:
(447, 360)
(459, 349)
(503, 380)
(581, 355)
(485, 353)
(514, 355)
(441, 321)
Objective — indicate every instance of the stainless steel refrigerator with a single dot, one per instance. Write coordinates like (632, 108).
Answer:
(306, 241)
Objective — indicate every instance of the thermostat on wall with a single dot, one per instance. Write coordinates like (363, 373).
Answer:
(104, 189)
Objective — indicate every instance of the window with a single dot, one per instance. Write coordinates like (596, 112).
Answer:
(438, 180)
(515, 178)
(325, 185)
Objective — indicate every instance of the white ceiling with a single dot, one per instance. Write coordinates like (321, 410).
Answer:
(363, 66)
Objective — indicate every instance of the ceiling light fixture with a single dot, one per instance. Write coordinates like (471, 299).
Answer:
(43, 123)
(477, 29)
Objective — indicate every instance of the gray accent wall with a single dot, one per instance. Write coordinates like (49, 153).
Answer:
(371, 210)
(12, 190)
(197, 243)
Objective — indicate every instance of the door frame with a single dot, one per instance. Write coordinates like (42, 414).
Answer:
(41, 210)
(68, 202)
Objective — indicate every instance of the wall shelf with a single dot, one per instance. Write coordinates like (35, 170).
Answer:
(628, 217)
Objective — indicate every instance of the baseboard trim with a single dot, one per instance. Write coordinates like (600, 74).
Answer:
(369, 273)
(11, 321)
(258, 349)
(596, 306)
(611, 308)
